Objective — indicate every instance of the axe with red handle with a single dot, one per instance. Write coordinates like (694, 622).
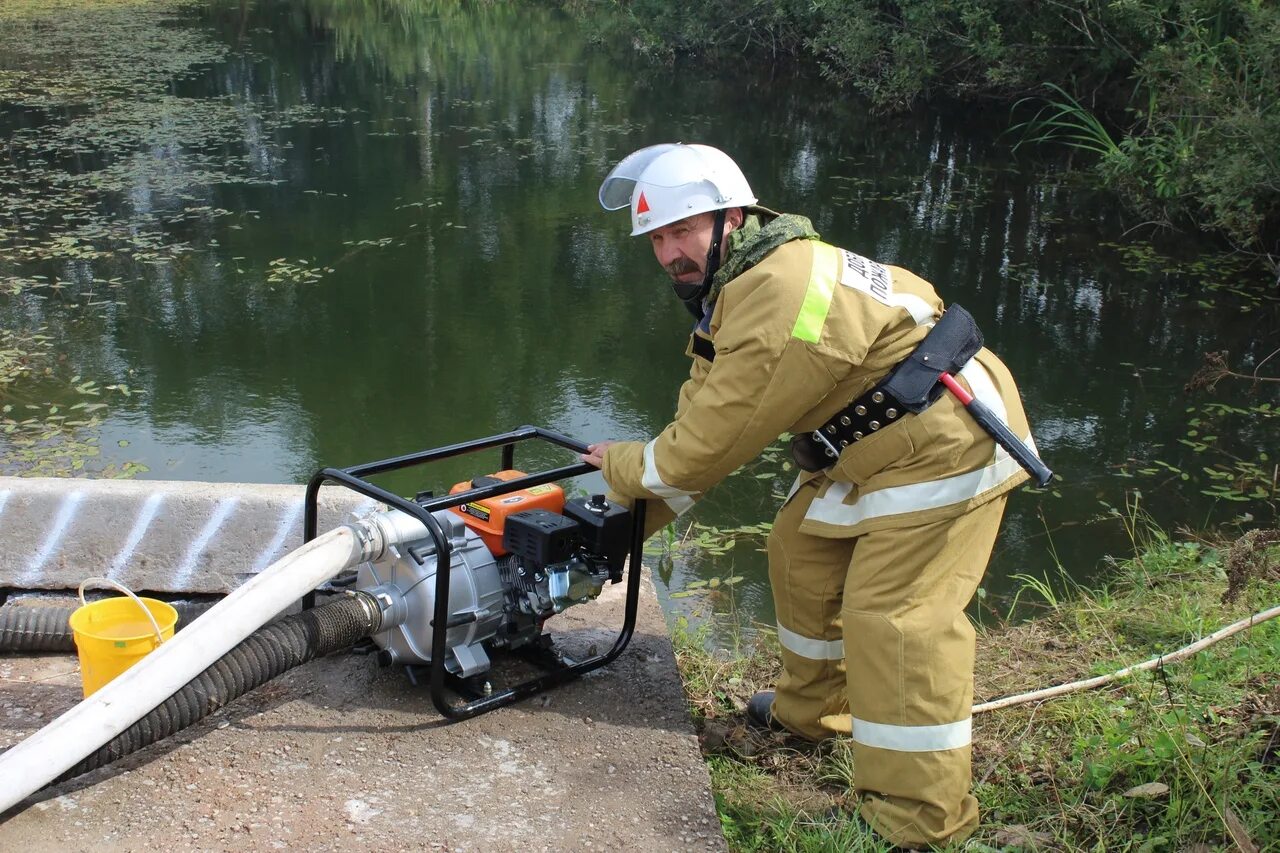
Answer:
(994, 427)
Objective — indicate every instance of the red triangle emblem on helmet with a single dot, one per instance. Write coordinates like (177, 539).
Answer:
(642, 205)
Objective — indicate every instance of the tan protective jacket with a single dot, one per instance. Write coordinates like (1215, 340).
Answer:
(797, 337)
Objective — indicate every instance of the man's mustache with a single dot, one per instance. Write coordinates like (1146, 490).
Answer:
(681, 266)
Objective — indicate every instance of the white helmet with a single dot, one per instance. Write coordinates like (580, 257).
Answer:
(668, 182)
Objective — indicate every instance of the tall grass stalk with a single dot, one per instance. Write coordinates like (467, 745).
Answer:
(1066, 121)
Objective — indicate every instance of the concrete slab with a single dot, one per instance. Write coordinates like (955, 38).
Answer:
(161, 536)
(342, 755)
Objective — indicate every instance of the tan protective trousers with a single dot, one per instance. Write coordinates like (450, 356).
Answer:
(876, 645)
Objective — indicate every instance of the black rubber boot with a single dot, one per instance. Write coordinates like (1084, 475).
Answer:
(760, 712)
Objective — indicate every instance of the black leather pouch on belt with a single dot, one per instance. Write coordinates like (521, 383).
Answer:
(948, 347)
(912, 386)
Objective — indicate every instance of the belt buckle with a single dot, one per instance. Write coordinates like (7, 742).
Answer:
(830, 448)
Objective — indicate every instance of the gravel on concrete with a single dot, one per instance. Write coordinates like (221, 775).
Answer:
(343, 755)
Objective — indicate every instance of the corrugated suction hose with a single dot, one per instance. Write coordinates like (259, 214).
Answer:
(47, 629)
(34, 762)
(268, 652)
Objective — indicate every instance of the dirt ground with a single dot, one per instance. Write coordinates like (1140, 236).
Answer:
(343, 755)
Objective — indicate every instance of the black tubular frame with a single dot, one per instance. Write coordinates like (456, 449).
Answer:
(352, 478)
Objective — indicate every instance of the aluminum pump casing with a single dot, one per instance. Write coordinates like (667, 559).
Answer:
(405, 589)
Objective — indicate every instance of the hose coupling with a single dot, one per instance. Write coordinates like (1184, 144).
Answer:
(369, 606)
(370, 537)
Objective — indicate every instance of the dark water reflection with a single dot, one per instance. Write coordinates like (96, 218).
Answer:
(435, 166)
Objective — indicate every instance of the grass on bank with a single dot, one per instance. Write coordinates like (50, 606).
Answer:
(1184, 758)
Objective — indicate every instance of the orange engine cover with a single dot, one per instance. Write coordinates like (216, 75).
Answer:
(488, 517)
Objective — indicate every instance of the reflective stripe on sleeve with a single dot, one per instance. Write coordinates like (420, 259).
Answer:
(652, 480)
(913, 738)
(679, 505)
(931, 494)
(807, 647)
(817, 298)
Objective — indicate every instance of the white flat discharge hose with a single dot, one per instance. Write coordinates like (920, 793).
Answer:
(59, 746)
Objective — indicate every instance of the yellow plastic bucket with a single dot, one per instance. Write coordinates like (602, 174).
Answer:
(115, 633)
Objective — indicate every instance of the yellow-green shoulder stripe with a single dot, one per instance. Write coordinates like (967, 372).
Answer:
(817, 299)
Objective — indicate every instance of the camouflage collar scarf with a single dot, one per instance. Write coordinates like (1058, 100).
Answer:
(760, 233)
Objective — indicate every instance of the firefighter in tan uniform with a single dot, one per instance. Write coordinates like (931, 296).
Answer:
(875, 554)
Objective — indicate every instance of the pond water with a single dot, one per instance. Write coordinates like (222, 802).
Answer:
(321, 232)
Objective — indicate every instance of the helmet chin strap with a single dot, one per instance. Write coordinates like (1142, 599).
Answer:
(692, 295)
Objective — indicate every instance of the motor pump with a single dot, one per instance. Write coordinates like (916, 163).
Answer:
(515, 560)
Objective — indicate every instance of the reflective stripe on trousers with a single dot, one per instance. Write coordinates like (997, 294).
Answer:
(876, 644)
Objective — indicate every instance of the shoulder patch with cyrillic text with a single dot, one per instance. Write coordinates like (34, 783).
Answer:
(866, 275)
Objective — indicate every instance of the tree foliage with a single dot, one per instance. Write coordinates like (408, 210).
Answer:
(1187, 89)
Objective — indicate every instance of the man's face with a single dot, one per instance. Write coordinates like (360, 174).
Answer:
(681, 247)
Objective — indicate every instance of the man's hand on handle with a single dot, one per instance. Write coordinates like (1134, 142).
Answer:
(595, 453)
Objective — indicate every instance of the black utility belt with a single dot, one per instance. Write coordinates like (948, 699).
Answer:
(911, 386)
(874, 410)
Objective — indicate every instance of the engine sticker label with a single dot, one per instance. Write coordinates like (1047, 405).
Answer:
(480, 511)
